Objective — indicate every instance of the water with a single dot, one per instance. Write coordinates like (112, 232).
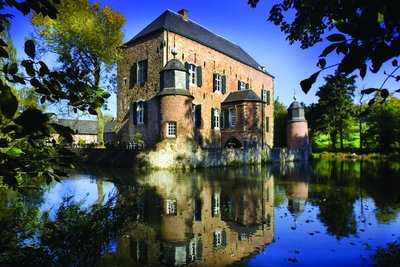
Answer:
(324, 214)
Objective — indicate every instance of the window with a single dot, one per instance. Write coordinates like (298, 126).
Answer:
(264, 95)
(125, 81)
(216, 119)
(140, 113)
(171, 129)
(232, 117)
(141, 72)
(267, 124)
(242, 86)
(218, 238)
(192, 74)
(192, 250)
(171, 207)
(218, 83)
(216, 204)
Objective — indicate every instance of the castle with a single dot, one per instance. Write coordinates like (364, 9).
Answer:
(179, 81)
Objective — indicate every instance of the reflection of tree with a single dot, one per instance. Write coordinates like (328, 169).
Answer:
(336, 212)
(382, 184)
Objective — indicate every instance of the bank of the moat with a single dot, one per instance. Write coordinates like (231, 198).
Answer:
(170, 155)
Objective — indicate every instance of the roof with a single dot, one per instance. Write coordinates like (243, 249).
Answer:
(80, 126)
(86, 126)
(241, 96)
(183, 92)
(295, 104)
(174, 22)
(174, 64)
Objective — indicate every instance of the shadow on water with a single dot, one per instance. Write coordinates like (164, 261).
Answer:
(336, 212)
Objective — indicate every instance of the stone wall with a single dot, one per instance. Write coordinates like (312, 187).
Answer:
(185, 155)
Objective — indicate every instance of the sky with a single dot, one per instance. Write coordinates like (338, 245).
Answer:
(238, 22)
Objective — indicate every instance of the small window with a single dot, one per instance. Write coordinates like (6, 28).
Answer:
(125, 81)
(218, 83)
(141, 71)
(192, 74)
(216, 202)
(216, 118)
(232, 117)
(140, 112)
(242, 86)
(264, 95)
(171, 129)
(171, 207)
(219, 238)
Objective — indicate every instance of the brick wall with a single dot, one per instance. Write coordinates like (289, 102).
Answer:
(190, 51)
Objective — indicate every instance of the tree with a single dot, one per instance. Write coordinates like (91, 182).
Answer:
(27, 151)
(86, 35)
(334, 106)
(364, 32)
(280, 117)
(383, 122)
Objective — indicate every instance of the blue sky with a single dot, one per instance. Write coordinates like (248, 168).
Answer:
(236, 21)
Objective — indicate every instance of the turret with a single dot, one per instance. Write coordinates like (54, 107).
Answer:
(175, 102)
(297, 128)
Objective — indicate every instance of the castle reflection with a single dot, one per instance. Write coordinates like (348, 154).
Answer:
(198, 219)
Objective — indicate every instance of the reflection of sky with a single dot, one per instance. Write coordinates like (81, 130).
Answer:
(82, 188)
(322, 249)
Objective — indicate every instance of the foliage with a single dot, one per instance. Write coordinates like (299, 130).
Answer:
(26, 149)
(334, 107)
(388, 256)
(365, 33)
(383, 121)
(85, 35)
(280, 115)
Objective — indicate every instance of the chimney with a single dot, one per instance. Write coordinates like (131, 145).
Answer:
(184, 13)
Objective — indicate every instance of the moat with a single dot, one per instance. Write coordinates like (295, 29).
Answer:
(323, 214)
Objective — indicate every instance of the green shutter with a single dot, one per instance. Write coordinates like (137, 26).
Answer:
(238, 85)
(133, 75)
(223, 84)
(247, 86)
(214, 82)
(226, 118)
(199, 251)
(134, 108)
(199, 74)
(268, 97)
(197, 114)
(221, 119)
(212, 118)
(145, 109)
(224, 240)
(145, 66)
(267, 124)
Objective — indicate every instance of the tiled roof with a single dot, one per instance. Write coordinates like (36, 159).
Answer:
(174, 22)
(241, 96)
(86, 126)
(80, 126)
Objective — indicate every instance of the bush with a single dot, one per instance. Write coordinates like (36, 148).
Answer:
(388, 256)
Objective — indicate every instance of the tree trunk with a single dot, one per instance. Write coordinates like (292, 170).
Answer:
(100, 115)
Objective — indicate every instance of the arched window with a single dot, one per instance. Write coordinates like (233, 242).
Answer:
(140, 112)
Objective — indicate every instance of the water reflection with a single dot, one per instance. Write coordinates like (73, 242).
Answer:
(206, 219)
(325, 214)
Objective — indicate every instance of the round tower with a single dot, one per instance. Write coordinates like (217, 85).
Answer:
(176, 118)
(297, 128)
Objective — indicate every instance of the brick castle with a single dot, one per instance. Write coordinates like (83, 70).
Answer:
(178, 80)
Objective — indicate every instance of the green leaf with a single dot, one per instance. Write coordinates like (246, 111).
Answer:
(307, 83)
(328, 50)
(30, 48)
(8, 101)
(336, 37)
(14, 152)
(384, 93)
(368, 91)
